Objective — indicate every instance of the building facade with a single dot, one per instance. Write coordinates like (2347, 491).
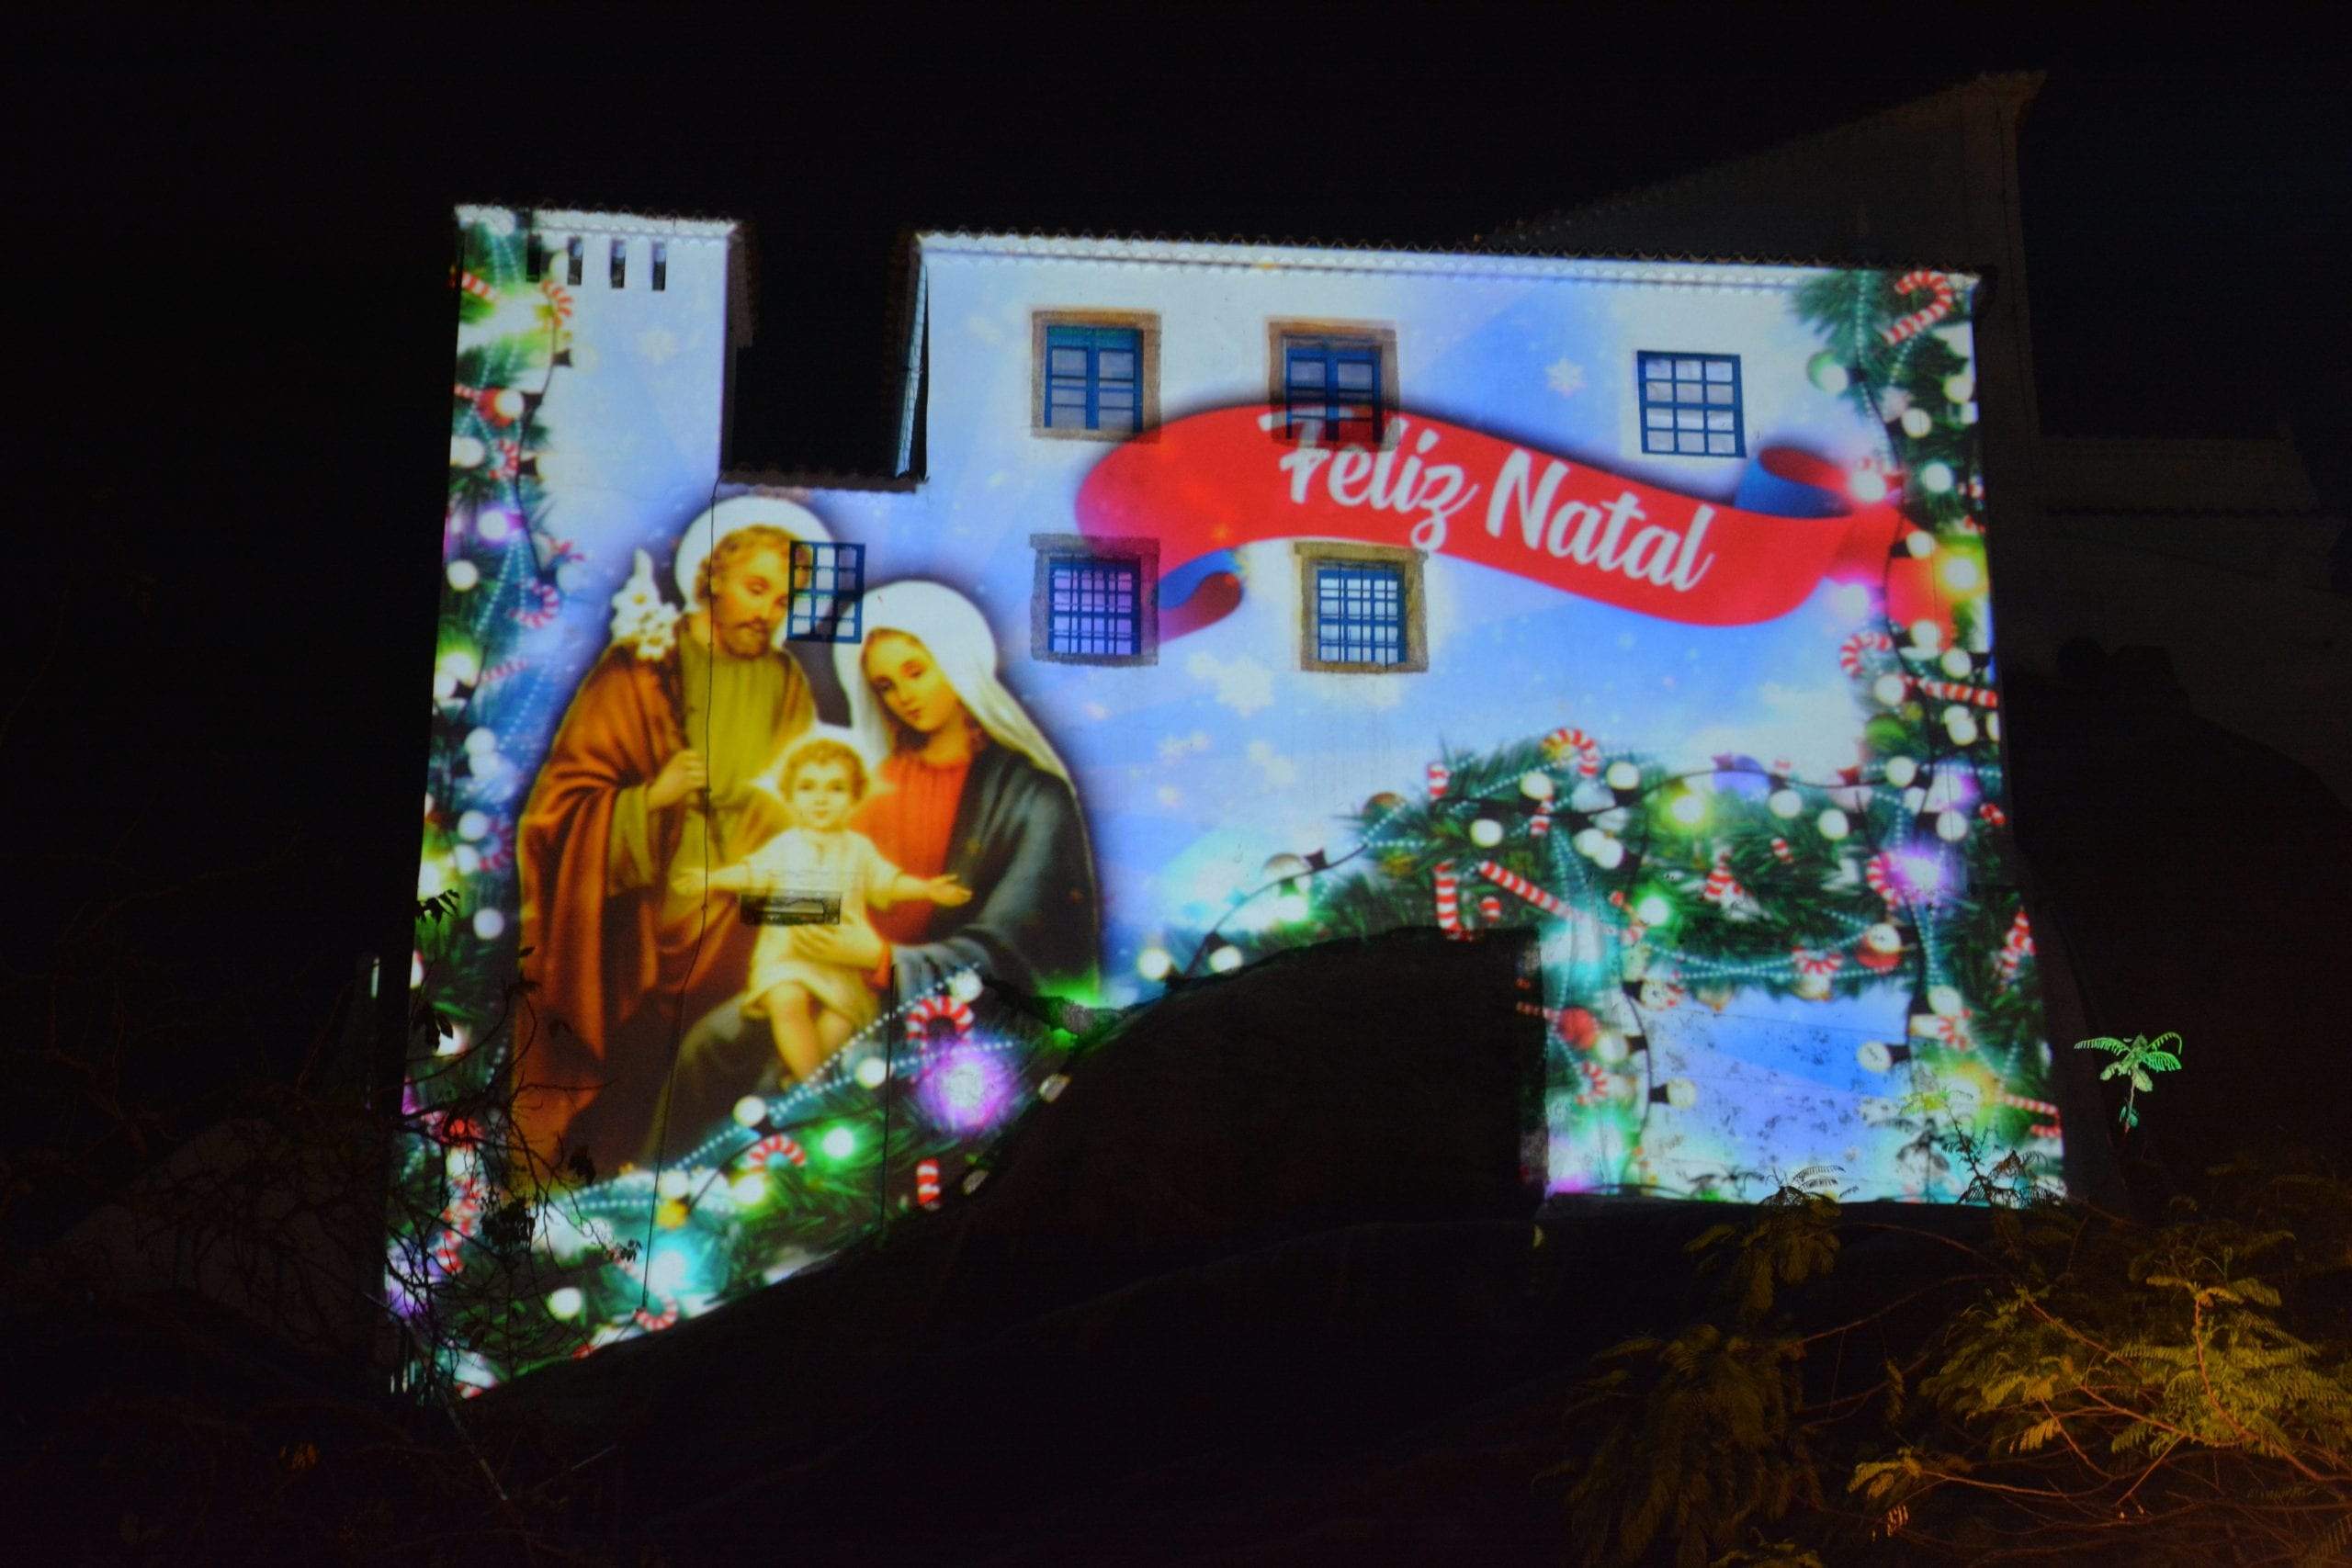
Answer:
(1231, 599)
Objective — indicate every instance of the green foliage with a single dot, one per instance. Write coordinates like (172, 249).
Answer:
(2178, 1392)
(2138, 1058)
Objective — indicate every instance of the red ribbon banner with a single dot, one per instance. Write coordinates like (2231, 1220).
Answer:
(1212, 481)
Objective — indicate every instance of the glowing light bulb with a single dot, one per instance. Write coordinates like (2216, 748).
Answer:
(1680, 1094)
(1611, 856)
(461, 666)
(473, 824)
(1849, 601)
(494, 527)
(1957, 664)
(1588, 842)
(1784, 803)
(840, 1143)
(672, 1183)
(1920, 543)
(466, 452)
(1936, 478)
(466, 859)
(749, 1189)
(1654, 911)
(1292, 906)
(1944, 1001)
(1951, 826)
(966, 985)
(1535, 785)
(1153, 963)
(1050, 1088)
(1889, 690)
(1959, 386)
(1689, 808)
(1917, 422)
(1878, 1056)
(463, 575)
(1623, 775)
(1960, 573)
(1961, 725)
(1225, 959)
(1900, 771)
(1868, 485)
(1926, 636)
(1486, 832)
(1833, 823)
(870, 1072)
(566, 1303)
(750, 1110)
(490, 924)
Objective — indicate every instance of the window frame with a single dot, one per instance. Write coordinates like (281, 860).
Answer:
(1144, 324)
(848, 604)
(1380, 336)
(1056, 549)
(1413, 613)
(1675, 406)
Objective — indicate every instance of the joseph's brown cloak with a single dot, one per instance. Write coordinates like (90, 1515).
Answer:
(618, 964)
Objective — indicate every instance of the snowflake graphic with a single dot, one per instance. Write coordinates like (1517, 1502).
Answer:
(1565, 376)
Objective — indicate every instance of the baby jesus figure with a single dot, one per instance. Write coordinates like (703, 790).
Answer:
(813, 1008)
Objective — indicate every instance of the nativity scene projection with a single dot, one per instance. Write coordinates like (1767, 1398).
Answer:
(1251, 598)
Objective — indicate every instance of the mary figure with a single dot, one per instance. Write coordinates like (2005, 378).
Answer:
(966, 784)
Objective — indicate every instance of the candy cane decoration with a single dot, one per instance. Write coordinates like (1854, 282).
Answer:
(1781, 853)
(543, 601)
(465, 282)
(1881, 875)
(1815, 965)
(1490, 911)
(1564, 741)
(1449, 899)
(1521, 888)
(654, 1322)
(1953, 692)
(760, 1155)
(1440, 776)
(1939, 306)
(1722, 889)
(2015, 948)
(1850, 652)
(1993, 813)
(1598, 1083)
(1540, 823)
(927, 1184)
(559, 298)
(2039, 1107)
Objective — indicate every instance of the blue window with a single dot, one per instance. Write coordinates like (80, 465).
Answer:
(1094, 606)
(1333, 384)
(1094, 379)
(827, 581)
(1359, 613)
(1691, 404)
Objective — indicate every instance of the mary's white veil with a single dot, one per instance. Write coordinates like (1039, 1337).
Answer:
(957, 635)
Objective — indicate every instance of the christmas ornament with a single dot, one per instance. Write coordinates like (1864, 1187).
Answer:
(1814, 974)
(1440, 776)
(1878, 1056)
(1381, 804)
(1783, 852)
(1880, 947)
(1490, 909)
(1824, 371)
(1679, 1094)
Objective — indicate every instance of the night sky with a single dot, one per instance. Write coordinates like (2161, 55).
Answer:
(234, 245)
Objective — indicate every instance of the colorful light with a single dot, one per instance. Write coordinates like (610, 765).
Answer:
(750, 1110)
(1154, 964)
(1225, 959)
(1687, 807)
(966, 1090)
(838, 1143)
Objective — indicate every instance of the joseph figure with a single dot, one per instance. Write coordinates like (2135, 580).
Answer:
(650, 775)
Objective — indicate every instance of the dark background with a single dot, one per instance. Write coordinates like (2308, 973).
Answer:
(233, 242)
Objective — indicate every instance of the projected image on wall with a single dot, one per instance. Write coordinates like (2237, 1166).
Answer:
(1642, 607)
